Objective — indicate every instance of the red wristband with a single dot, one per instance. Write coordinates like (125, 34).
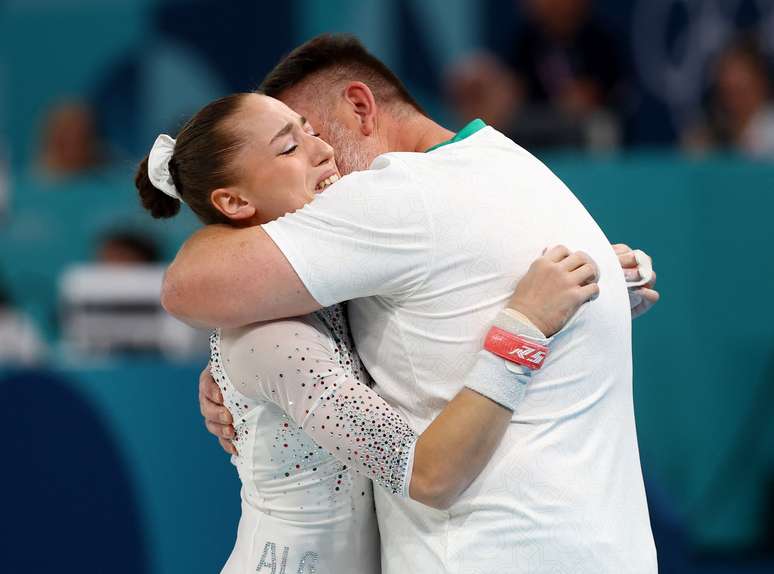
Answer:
(515, 349)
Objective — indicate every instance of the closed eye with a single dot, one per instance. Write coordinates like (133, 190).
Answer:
(290, 150)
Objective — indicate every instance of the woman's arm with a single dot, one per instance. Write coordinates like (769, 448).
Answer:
(456, 446)
(296, 364)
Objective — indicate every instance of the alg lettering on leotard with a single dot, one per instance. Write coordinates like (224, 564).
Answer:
(307, 564)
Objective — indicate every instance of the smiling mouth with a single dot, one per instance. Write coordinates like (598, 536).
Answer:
(327, 182)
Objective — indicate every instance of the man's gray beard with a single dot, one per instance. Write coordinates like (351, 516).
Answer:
(349, 155)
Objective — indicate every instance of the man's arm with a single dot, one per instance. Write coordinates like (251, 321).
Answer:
(369, 234)
(229, 277)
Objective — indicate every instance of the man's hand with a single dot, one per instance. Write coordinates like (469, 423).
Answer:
(555, 287)
(217, 419)
(641, 298)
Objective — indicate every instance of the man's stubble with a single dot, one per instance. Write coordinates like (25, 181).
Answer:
(351, 155)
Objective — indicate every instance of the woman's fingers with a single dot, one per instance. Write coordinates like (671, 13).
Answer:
(577, 260)
(650, 295)
(628, 260)
(588, 292)
(585, 274)
(557, 253)
(647, 298)
(631, 275)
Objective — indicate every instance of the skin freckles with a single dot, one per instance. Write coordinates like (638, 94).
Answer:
(281, 168)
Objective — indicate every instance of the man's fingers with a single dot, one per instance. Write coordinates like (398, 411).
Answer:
(620, 248)
(652, 283)
(217, 418)
(213, 411)
(227, 445)
(208, 387)
(585, 274)
(219, 430)
(212, 391)
(557, 253)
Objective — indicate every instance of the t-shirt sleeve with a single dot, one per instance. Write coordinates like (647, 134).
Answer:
(296, 365)
(369, 234)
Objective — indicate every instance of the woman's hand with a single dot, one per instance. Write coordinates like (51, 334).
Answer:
(641, 297)
(555, 287)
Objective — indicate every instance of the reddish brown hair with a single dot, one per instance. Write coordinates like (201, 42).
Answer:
(202, 162)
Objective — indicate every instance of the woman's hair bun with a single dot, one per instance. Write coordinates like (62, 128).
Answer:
(158, 203)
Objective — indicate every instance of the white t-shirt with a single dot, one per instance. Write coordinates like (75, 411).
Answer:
(429, 247)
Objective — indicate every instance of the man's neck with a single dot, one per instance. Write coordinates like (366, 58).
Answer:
(419, 134)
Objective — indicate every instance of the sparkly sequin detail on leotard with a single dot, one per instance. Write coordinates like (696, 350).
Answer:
(327, 392)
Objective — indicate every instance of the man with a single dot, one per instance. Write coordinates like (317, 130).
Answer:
(427, 247)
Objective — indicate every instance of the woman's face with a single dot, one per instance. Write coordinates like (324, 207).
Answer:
(284, 164)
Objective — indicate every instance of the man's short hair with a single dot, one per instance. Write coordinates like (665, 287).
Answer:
(331, 58)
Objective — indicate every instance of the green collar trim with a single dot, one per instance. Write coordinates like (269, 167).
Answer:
(465, 132)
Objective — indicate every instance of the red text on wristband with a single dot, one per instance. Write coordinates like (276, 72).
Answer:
(515, 349)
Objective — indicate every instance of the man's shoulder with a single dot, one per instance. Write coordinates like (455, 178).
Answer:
(393, 172)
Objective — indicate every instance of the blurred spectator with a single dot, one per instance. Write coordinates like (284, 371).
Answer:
(127, 248)
(109, 309)
(20, 340)
(112, 306)
(69, 144)
(556, 87)
(740, 113)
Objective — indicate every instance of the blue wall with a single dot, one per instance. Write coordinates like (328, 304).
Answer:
(120, 446)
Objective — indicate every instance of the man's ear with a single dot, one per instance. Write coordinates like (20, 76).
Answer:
(363, 103)
(230, 203)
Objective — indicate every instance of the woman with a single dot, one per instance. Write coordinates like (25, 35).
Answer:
(310, 431)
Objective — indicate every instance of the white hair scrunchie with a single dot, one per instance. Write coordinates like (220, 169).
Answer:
(158, 166)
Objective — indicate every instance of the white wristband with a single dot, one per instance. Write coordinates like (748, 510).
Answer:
(503, 381)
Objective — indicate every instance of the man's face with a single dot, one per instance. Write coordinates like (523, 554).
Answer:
(354, 151)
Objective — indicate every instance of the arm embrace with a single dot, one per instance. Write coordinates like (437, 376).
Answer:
(297, 364)
(230, 277)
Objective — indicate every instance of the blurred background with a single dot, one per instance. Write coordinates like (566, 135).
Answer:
(657, 113)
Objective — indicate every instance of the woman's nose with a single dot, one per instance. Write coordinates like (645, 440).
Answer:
(323, 152)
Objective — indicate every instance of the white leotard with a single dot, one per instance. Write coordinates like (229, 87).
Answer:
(292, 385)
